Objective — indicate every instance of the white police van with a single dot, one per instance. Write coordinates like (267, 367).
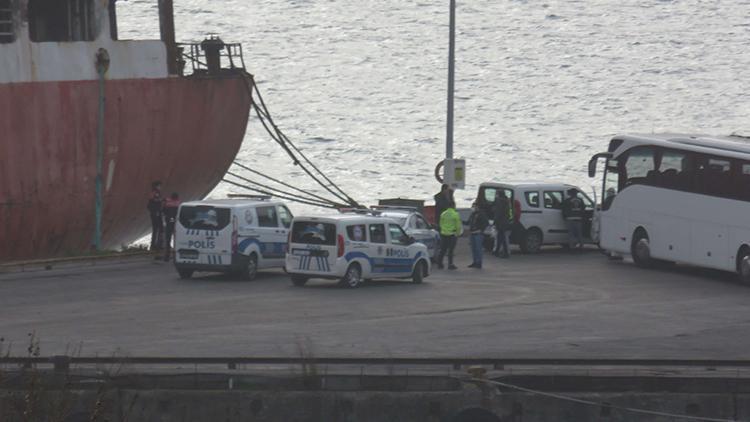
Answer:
(237, 236)
(353, 248)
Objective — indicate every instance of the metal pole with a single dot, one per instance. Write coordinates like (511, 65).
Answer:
(451, 79)
(102, 65)
(99, 158)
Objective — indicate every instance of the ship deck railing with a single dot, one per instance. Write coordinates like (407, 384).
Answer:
(193, 55)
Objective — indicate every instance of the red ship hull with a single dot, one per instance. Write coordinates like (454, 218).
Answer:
(182, 131)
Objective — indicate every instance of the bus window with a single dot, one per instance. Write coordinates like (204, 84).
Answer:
(674, 171)
(639, 166)
(713, 177)
(743, 182)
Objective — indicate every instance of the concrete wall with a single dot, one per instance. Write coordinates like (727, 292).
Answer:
(304, 406)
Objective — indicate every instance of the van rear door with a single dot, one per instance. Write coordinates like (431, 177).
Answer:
(204, 235)
(313, 247)
(273, 236)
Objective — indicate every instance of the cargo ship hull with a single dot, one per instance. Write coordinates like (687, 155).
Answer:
(182, 131)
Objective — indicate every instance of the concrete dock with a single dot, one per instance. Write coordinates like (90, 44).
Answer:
(554, 304)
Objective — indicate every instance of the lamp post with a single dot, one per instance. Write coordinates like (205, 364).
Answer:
(454, 171)
(451, 81)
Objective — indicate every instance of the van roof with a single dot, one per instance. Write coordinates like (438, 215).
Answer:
(231, 203)
(341, 217)
(528, 185)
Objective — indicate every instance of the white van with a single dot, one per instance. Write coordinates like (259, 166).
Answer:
(538, 212)
(353, 248)
(231, 235)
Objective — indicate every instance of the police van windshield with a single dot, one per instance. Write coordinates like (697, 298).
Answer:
(314, 233)
(204, 217)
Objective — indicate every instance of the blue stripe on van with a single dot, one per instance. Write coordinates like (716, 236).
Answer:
(267, 249)
(386, 265)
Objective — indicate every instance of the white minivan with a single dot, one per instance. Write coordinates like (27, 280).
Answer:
(353, 248)
(537, 211)
(231, 235)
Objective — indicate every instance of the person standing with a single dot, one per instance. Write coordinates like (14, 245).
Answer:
(478, 222)
(450, 228)
(573, 210)
(441, 202)
(154, 207)
(503, 220)
(171, 206)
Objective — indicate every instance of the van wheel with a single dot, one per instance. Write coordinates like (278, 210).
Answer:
(251, 269)
(184, 274)
(299, 280)
(532, 241)
(419, 273)
(353, 277)
(640, 249)
(743, 265)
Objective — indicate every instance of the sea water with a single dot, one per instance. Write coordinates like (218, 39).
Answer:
(360, 85)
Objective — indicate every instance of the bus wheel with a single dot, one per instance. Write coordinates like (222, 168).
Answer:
(743, 265)
(532, 241)
(640, 249)
(299, 280)
(420, 270)
(353, 277)
(251, 269)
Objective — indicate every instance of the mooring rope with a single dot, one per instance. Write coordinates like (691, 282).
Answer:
(600, 404)
(298, 158)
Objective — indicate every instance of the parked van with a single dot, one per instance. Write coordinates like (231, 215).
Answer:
(537, 212)
(353, 248)
(231, 235)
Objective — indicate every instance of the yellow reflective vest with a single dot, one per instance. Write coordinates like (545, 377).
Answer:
(450, 223)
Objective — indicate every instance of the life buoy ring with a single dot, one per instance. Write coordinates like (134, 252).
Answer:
(437, 171)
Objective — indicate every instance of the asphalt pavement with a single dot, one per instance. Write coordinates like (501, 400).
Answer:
(555, 304)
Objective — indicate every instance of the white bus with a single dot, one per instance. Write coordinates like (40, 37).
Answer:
(677, 198)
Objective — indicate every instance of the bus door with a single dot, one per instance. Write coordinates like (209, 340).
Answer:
(588, 214)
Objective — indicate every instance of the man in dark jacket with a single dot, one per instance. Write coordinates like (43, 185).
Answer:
(154, 207)
(442, 199)
(573, 210)
(478, 222)
(503, 219)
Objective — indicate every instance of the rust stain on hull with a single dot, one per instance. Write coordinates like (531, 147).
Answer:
(182, 131)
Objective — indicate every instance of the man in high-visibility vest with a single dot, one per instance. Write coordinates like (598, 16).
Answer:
(450, 228)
